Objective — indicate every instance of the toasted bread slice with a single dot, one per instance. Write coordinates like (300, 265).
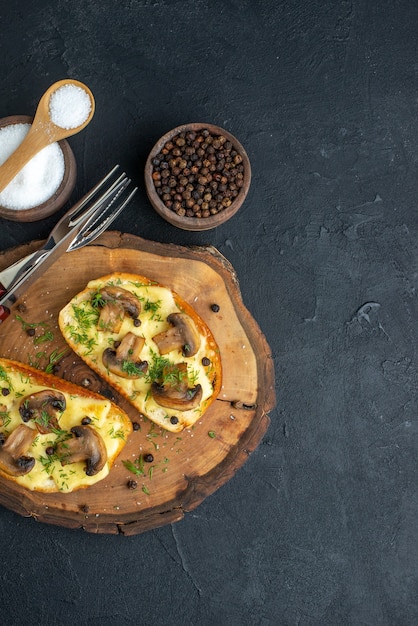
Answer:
(55, 436)
(149, 344)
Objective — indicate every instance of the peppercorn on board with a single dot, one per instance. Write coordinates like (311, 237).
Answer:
(159, 475)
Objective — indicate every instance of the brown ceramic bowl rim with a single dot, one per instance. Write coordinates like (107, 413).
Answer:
(62, 194)
(196, 223)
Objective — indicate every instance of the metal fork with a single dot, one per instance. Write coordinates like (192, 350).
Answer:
(83, 223)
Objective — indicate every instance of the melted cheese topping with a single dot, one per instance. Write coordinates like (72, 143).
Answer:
(78, 323)
(48, 474)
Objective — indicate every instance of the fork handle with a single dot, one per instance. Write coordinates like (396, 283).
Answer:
(4, 311)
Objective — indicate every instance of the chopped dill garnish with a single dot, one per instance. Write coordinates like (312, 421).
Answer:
(116, 434)
(85, 318)
(5, 418)
(5, 377)
(27, 325)
(54, 357)
(156, 367)
(132, 369)
(136, 467)
(153, 307)
(47, 334)
(97, 300)
(48, 461)
(82, 338)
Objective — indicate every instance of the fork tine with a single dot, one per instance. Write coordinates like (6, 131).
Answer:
(99, 221)
(80, 212)
(110, 218)
(90, 194)
(114, 187)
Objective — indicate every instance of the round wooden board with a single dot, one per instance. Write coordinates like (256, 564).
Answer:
(187, 466)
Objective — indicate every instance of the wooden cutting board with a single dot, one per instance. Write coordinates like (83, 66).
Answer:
(187, 466)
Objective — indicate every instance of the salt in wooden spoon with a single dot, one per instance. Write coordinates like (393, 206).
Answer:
(42, 133)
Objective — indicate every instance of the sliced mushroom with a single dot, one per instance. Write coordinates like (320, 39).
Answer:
(85, 445)
(173, 391)
(182, 335)
(13, 460)
(130, 347)
(43, 407)
(125, 361)
(111, 317)
(122, 296)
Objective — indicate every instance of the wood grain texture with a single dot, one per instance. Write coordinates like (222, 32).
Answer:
(187, 466)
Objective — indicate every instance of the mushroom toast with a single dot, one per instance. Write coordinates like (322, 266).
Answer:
(149, 344)
(54, 435)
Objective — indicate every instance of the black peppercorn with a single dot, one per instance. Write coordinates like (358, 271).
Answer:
(148, 458)
(188, 164)
(136, 426)
(30, 332)
(215, 308)
(5, 391)
(86, 420)
(132, 484)
(174, 419)
(50, 450)
(205, 361)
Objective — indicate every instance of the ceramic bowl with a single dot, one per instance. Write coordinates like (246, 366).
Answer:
(184, 221)
(62, 194)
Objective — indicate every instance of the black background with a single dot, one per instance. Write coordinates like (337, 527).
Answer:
(319, 527)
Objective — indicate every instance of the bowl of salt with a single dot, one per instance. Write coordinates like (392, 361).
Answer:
(44, 184)
(37, 165)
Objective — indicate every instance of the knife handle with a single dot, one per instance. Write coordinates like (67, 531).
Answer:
(4, 311)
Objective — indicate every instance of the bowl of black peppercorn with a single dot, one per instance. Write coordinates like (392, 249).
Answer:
(197, 176)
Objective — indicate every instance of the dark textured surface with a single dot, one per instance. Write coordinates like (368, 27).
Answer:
(320, 526)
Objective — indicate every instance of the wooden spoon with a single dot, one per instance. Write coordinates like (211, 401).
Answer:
(41, 133)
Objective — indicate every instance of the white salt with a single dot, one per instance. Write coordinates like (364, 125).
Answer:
(39, 179)
(69, 106)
